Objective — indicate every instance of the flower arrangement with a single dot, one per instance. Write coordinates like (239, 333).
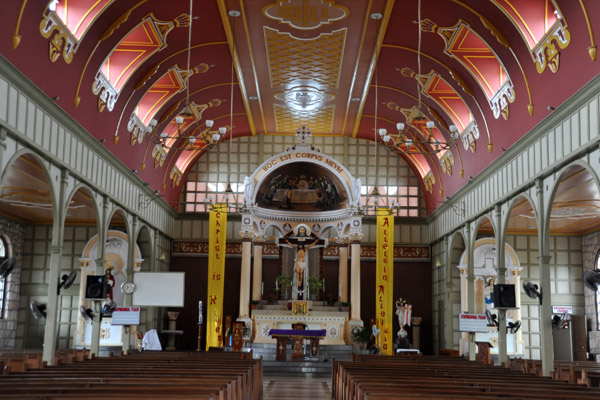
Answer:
(330, 299)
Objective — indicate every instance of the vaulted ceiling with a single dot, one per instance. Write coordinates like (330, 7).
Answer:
(125, 70)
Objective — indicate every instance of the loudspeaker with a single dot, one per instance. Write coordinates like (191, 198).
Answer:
(504, 296)
(95, 287)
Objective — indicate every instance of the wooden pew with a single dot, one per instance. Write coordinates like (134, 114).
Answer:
(218, 376)
(382, 377)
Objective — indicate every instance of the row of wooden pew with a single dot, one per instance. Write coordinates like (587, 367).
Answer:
(146, 375)
(22, 360)
(580, 372)
(371, 377)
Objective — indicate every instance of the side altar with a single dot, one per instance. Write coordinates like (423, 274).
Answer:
(333, 322)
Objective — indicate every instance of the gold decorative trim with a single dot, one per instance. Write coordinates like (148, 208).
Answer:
(16, 38)
(592, 49)
(182, 248)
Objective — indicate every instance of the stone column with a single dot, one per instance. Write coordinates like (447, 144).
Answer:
(245, 278)
(55, 256)
(515, 278)
(355, 283)
(464, 305)
(257, 273)
(343, 274)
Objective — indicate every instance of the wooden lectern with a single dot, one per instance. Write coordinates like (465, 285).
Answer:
(238, 333)
(483, 352)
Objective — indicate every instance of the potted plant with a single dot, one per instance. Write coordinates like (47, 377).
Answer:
(345, 306)
(284, 283)
(315, 285)
(255, 304)
(330, 299)
(272, 298)
(361, 335)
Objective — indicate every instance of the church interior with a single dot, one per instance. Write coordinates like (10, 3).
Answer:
(300, 191)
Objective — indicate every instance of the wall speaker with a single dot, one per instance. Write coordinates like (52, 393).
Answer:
(504, 296)
(95, 287)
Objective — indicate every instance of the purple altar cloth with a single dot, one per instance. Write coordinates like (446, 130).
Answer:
(299, 332)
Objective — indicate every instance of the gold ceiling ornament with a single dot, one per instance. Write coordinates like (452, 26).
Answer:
(305, 14)
(318, 59)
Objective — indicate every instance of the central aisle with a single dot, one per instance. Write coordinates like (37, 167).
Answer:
(296, 387)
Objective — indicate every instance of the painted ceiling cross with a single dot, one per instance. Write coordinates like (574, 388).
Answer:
(303, 134)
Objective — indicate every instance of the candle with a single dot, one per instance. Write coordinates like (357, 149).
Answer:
(340, 291)
(276, 284)
(323, 285)
(200, 312)
(262, 288)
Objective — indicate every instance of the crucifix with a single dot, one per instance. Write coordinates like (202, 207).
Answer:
(301, 239)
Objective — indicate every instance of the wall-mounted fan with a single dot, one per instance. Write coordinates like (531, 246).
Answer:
(531, 290)
(560, 321)
(492, 319)
(38, 310)
(67, 281)
(6, 266)
(108, 308)
(513, 327)
(591, 279)
(86, 313)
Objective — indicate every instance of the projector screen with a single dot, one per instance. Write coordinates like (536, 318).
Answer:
(165, 289)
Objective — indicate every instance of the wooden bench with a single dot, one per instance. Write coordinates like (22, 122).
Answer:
(388, 377)
(151, 375)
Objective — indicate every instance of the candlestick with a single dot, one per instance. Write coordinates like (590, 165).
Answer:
(323, 285)
(340, 291)
(276, 284)
(262, 288)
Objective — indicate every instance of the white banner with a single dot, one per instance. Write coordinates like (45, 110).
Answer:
(472, 323)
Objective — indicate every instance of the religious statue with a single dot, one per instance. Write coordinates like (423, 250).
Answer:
(248, 189)
(403, 311)
(301, 249)
(109, 280)
(356, 187)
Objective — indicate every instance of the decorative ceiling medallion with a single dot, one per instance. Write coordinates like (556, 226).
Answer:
(304, 98)
(318, 60)
(305, 14)
(320, 120)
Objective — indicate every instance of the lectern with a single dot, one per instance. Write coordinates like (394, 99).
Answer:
(483, 352)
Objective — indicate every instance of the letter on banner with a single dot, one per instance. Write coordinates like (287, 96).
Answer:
(217, 222)
(384, 290)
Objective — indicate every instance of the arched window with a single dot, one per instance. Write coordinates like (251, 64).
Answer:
(597, 268)
(3, 256)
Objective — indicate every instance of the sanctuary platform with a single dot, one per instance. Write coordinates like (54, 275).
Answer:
(316, 315)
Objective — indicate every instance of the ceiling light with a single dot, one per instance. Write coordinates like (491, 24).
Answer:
(252, 98)
(376, 16)
(355, 99)
(209, 123)
(234, 13)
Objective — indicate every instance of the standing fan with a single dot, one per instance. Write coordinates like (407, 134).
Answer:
(38, 310)
(590, 278)
(67, 281)
(531, 290)
(6, 266)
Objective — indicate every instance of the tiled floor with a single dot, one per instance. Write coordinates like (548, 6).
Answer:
(296, 388)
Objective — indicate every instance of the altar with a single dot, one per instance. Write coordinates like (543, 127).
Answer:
(333, 322)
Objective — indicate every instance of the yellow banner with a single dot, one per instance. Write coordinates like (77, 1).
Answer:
(217, 222)
(385, 279)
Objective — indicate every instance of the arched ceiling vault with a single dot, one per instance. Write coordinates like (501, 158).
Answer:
(489, 67)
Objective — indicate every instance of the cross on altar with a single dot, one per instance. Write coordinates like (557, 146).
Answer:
(303, 134)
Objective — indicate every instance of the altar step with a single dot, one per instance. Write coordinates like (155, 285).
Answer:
(320, 367)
